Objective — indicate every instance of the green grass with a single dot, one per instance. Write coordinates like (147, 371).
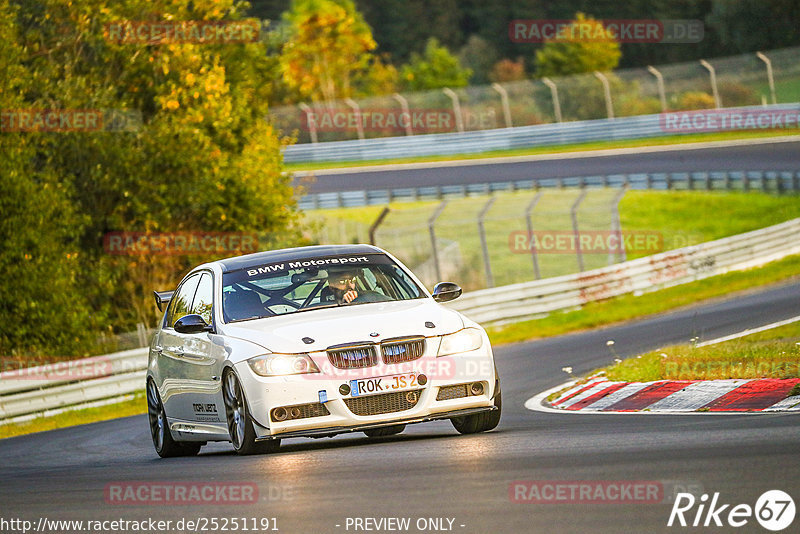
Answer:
(786, 90)
(627, 307)
(686, 218)
(134, 406)
(552, 149)
(680, 218)
(773, 353)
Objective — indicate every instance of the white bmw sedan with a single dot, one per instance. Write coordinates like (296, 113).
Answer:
(312, 342)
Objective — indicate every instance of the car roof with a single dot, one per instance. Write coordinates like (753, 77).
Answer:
(288, 254)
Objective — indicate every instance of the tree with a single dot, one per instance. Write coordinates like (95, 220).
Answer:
(201, 159)
(742, 25)
(329, 53)
(43, 307)
(561, 57)
(434, 69)
(507, 70)
(479, 56)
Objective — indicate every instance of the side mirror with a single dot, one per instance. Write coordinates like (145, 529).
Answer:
(446, 291)
(192, 324)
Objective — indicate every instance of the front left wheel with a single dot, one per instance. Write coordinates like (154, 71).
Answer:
(240, 424)
(481, 422)
(165, 445)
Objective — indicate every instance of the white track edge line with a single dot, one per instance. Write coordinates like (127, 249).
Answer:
(749, 331)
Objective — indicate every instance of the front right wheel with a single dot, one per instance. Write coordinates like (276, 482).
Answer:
(240, 424)
(480, 422)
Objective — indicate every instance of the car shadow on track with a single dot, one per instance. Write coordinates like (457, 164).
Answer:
(341, 442)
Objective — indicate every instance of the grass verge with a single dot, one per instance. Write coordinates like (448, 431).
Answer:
(773, 353)
(551, 149)
(626, 307)
(134, 406)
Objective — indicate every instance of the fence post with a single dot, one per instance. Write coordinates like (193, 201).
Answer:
(404, 106)
(456, 108)
(574, 215)
(616, 226)
(312, 126)
(504, 99)
(482, 230)
(553, 93)
(531, 240)
(432, 232)
(770, 79)
(141, 330)
(374, 226)
(662, 94)
(357, 110)
(607, 92)
(713, 75)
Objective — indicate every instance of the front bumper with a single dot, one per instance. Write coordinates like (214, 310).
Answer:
(265, 393)
(332, 431)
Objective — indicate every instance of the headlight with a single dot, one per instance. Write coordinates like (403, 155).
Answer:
(462, 341)
(282, 364)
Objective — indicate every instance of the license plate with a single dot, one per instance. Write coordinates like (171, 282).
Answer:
(383, 384)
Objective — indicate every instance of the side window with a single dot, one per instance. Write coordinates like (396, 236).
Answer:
(182, 301)
(203, 298)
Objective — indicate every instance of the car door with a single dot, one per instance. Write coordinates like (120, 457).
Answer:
(174, 386)
(202, 357)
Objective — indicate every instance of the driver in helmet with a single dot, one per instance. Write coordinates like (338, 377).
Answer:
(341, 287)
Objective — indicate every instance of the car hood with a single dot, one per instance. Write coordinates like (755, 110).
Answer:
(347, 324)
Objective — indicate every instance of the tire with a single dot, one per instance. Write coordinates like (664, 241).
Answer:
(480, 422)
(240, 424)
(165, 445)
(384, 431)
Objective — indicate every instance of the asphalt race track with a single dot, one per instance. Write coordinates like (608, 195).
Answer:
(752, 157)
(429, 471)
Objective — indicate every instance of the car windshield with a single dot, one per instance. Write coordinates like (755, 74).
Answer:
(294, 286)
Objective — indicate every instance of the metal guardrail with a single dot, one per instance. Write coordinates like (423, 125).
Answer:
(769, 181)
(534, 299)
(498, 139)
(26, 393)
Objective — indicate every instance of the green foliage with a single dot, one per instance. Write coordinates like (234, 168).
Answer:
(329, 53)
(42, 306)
(750, 25)
(479, 56)
(692, 100)
(565, 57)
(436, 68)
(202, 160)
(734, 94)
(507, 70)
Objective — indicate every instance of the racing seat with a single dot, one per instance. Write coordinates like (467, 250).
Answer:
(244, 304)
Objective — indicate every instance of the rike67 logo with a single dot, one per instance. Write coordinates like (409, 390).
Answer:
(774, 510)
